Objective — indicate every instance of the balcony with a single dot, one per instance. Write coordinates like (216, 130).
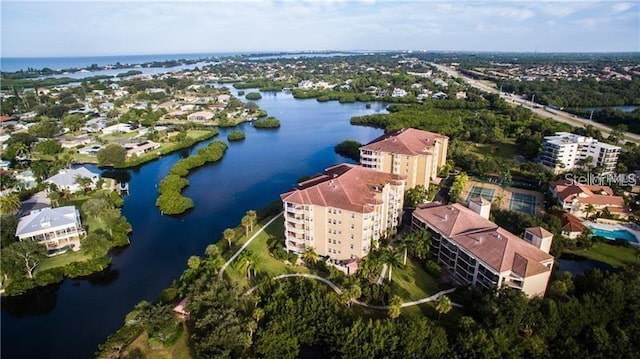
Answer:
(291, 246)
(293, 229)
(295, 210)
(292, 219)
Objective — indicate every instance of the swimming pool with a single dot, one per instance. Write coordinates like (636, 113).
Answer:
(614, 234)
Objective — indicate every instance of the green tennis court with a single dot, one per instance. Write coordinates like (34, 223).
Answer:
(524, 203)
(486, 193)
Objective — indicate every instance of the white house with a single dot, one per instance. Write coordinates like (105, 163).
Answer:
(117, 128)
(58, 229)
(67, 179)
(200, 116)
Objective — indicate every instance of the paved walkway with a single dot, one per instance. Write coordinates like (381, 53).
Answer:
(236, 254)
(366, 305)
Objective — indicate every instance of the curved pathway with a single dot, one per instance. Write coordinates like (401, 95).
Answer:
(236, 254)
(363, 304)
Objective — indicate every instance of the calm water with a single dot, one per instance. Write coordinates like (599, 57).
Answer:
(71, 319)
(11, 64)
(577, 265)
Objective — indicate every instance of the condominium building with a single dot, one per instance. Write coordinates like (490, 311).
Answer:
(58, 229)
(583, 200)
(412, 153)
(476, 251)
(565, 151)
(343, 212)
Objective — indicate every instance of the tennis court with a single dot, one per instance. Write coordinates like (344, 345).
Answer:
(484, 192)
(522, 202)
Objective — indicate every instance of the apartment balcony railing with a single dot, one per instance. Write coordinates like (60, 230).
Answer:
(291, 219)
(297, 230)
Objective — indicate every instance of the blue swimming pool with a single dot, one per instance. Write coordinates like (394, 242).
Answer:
(615, 234)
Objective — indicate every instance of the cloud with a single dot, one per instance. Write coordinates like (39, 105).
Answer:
(622, 6)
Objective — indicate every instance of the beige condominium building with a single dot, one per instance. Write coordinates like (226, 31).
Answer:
(476, 251)
(342, 212)
(412, 153)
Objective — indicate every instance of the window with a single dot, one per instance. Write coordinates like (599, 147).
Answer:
(353, 215)
(351, 246)
(353, 226)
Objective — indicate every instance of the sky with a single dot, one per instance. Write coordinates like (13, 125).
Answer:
(94, 28)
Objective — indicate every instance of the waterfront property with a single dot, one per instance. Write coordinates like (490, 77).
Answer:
(412, 153)
(565, 151)
(476, 251)
(583, 201)
(140, 148)
(68, 179)
(572, 226)
(343, 212)
(58, 229)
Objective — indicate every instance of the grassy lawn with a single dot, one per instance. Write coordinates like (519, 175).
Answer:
(120, 136)
(412, 282)
(63, 259)
(267, 265)
(179, 350)
(506, 150)
(613, 255)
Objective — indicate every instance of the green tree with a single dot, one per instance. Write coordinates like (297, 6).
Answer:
(246, 224)
(458, 186)
(112, 155)
(25, 254)
(9, 204)
(253, 218)
(349, 149)
(443, 305)
(9, 223)
(415, 196)
(404, 243)
(350, 294)
(45, 128)
(395, 307)
(589, 209)
(72, 122)
(393, 259)
(48, 147)
(229, 235)
(310, 256)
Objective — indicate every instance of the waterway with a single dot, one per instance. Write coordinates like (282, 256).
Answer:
(69, 320)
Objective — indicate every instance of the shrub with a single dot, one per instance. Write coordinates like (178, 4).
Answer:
(269, 122)
(432, 267)
(235, 136)
(253, 96)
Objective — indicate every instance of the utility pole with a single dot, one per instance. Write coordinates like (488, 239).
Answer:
(533, 98)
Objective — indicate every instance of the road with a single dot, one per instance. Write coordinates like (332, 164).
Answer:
(542, 111)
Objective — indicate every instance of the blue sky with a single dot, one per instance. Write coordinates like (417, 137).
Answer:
(86, 28)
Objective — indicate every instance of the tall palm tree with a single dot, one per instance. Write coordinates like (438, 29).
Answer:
(404, 243)
(253, 218)
(54, 198)
(246, 224)
(350, 294)
(22, 151)
(395, 307)
(247, 262)
(310, 256)
(9, 204)
(589, 209)
(443, 305)
(393, 259)
(229, 234)
(421, 244)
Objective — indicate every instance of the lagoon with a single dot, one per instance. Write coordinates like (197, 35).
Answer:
(69, 320)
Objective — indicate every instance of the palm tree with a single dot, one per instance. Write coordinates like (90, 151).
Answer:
(9, 203)
(395, 307)
(247, 263)
(253, 218)
(246, 224)
(229, 234)
(310, 256)
(22, 151)
(393, 259)
(84, 182)
(54, 197)
(404, 243)
(421, 244)
(588, 209)
(350, 294)
(443, 305)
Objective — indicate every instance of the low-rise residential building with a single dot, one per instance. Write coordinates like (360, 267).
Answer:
(476, 251)
(412, 153)
(343, 212)
(117, 128)
(58, 229)
(68, 179)
(565, 151)
(200, 116)
(579, 199)
(140, 148)
(572, 226)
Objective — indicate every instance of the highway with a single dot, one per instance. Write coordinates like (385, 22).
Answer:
(540, 110)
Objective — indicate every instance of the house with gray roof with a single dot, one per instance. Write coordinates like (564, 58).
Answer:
(58, 229)
(68, 179)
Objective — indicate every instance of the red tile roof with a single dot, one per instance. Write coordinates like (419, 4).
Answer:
(344, 186)
(406, 141)
(493, 245)
(599, 195)
(539, 232)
